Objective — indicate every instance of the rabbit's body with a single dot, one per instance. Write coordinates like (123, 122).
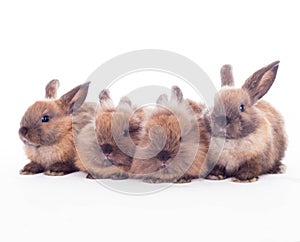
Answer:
(255, 146)
(107, 145)
(94, 161)
(83, 116)
(250, 133)
(47, 131)
(60, 151)
(174, 143)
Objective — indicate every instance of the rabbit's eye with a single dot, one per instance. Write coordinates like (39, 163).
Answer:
(242, 108)
(180, 139)
(125, 133)
(45, 119)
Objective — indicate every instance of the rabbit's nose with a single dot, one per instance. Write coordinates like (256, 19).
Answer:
(23, 131)
(222, 120)
(107, 149)
(163, 155)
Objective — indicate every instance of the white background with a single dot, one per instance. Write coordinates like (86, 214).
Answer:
(68, 40)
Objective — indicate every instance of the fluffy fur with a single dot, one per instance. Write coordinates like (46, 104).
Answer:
(248, 136)
(107, 146)
(47, 131)
(174, 143)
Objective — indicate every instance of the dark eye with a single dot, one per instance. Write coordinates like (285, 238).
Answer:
(45, 119)
(242, 108)
(125, 133)
(180, 139)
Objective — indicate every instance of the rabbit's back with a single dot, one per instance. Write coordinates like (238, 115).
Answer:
(279, 137)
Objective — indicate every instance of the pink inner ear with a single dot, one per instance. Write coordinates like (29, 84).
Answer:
(73, 99)
(261, 81)
(266, 83)
(268, 76)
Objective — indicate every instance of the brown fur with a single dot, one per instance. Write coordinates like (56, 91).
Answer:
(107, 147)
(51, 144)
(226, 76)
(251, 142)
(198, 108)
(261, 81)
(32, 168)
(51, 89)
(170, 148)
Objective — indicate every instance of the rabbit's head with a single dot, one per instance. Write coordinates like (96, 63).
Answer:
(170, 140)
(47, 122)
(234, 114)
(117, 130)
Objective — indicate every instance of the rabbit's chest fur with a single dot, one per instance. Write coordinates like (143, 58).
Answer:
(234, 152)
(48, 155)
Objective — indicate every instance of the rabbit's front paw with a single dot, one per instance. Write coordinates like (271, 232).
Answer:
(215, 177)
(60, 169)
(247, 172)
(32, 168)
(279, 168)
(152, 180)
(119, 176)
(254, 179)
(184, 179)
(217, 173)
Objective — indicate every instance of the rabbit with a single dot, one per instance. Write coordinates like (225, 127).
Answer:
(107, 145)
(174, 143)
(248, 134)
(48, 128)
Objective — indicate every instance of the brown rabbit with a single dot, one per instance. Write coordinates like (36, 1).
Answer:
(47, 131)
(174, 143)
(107, 146)
(251, 131)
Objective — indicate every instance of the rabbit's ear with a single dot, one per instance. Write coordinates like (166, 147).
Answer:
(162, 99)
(261, 81)
(125, 101)
(51, 89)
(105, 100)
(176, 94)
(226, 76)
(125, 105)
(73, 99)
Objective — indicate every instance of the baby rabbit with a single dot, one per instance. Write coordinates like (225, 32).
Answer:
(174, 143)
(47, 131)
(107, 146)
(252, 130)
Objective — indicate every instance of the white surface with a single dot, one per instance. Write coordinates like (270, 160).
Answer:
(68, 40)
